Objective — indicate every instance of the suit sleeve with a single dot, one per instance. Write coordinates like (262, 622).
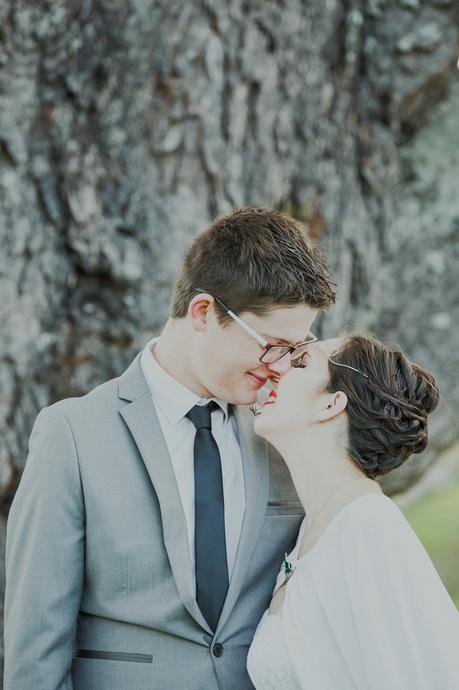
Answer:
(44, 561)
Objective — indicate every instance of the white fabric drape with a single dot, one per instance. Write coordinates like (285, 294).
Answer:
(365, 608)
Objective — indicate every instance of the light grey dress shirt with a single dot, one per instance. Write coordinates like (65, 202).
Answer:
(172, 401)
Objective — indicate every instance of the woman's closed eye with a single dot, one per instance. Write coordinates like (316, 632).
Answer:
(303, 360)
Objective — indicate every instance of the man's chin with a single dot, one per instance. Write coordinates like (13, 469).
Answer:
(245, 398)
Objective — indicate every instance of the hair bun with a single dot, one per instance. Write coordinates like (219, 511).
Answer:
(427, 393)
(388, 411)
(421, 441)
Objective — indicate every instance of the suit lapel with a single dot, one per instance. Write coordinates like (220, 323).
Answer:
(256, 481)
(142, 421)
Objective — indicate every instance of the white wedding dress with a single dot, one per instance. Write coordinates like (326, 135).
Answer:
(364, 609)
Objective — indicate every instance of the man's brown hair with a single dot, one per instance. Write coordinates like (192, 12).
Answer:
(254, 259)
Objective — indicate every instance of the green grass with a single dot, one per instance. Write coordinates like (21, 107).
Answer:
(435, 519)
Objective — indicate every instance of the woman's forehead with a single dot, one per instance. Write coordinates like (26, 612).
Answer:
(332, 344)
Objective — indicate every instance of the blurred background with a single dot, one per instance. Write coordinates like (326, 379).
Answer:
(126, 126)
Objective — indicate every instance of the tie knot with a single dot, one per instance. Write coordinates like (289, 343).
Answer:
(200, 415)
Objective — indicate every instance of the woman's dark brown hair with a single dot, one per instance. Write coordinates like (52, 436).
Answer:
(387, 412)
(254, 259)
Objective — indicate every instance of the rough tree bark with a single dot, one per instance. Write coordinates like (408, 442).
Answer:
(126, 125)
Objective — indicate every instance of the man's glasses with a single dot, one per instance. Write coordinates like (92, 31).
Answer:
(272, 353)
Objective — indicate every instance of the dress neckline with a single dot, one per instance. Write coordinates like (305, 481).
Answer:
(314, 548)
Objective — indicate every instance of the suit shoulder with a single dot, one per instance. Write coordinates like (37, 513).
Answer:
(103, 394)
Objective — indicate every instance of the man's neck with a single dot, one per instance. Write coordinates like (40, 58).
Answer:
(171, 356)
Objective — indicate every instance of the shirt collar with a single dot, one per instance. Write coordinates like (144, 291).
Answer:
(174, 399)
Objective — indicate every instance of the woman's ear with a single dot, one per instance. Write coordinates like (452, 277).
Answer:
(330, 405)
(198, 311)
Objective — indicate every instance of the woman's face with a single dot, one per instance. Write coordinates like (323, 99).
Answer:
(301, 392)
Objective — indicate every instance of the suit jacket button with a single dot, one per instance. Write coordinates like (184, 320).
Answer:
(218, 649)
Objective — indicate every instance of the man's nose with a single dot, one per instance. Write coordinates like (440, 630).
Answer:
(282, 366)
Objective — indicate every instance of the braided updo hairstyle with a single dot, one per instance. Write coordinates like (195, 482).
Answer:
(387, 412)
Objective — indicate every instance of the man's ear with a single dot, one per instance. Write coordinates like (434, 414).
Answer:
(330, 405)
(198, 311)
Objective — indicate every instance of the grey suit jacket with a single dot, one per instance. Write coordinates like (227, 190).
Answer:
(99, 591)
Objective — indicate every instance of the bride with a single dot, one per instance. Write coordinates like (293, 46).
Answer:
(358, 603)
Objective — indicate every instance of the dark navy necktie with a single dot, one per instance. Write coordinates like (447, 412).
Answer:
(209, 532)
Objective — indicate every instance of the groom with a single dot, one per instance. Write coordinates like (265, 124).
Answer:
(150, 523)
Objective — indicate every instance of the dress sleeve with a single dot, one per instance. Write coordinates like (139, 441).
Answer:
(390, 621)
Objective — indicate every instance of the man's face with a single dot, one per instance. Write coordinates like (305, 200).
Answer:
(225, 359)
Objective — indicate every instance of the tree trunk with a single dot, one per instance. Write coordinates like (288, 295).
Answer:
(126, 127)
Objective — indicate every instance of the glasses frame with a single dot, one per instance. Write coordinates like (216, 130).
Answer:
(256, 336)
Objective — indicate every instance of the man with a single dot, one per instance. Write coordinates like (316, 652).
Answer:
(150, 523)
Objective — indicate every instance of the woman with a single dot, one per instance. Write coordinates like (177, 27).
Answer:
(358, 603)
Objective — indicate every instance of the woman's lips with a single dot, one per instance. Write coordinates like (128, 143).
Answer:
(273, 396)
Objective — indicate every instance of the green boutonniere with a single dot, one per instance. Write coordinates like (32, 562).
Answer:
(288, 568)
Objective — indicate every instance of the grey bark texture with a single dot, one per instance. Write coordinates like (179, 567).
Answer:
(125, 126)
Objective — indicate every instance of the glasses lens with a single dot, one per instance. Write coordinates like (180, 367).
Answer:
(300, 351)
(274, 354)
